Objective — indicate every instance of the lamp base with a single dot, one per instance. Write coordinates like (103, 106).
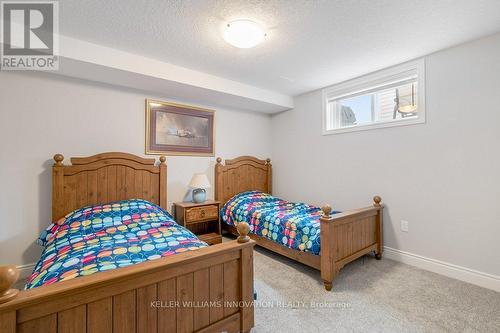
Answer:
(199, 195)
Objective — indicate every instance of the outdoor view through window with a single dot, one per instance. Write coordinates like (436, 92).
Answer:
(383, 105)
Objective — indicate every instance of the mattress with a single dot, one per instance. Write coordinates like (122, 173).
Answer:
(104, 237)
(290, 224)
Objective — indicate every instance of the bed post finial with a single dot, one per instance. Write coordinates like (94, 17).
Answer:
(376, 201)
(58, 158)
(219, 160)
(243, 229)
(327, 209)
(8, 276)
(163, 159)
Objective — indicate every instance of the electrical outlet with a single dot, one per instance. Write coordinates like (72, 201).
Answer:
(404, 226)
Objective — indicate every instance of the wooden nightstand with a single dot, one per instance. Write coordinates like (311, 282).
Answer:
(201, 218)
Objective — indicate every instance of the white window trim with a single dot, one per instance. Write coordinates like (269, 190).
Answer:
(372, 80)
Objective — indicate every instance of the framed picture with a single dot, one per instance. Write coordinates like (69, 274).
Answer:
(176, 129)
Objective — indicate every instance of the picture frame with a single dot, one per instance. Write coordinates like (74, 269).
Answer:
(179, 129)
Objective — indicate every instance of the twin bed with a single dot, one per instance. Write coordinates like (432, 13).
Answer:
(155, 275)
(319, 238)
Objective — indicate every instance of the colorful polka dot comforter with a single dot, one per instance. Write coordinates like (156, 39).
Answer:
(99, 238)
(294, 225)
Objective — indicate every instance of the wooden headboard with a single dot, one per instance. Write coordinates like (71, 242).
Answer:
(104, 178)
(244, 173)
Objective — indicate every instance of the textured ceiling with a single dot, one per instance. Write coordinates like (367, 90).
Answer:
(310, 44)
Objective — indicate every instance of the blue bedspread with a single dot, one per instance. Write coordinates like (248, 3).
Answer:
(99, 238)
(294, 225)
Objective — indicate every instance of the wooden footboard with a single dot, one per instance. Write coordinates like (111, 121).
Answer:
(347, 236)
(208, 290)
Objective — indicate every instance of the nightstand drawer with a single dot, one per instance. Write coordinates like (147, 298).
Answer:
(196, 214)
(202, 219)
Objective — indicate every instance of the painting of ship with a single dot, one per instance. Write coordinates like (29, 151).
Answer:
(179, 129)
(184, 133)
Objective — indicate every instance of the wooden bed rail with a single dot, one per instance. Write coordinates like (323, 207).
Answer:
(349, 235)
(210, 289)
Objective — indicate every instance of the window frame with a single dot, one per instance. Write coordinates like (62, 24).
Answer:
(370, 83)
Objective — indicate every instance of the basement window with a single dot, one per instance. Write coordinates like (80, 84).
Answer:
(391, 97)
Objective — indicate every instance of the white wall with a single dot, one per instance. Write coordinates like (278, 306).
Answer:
(443, 176)
(43, 114)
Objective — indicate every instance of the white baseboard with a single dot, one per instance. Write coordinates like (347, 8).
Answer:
(453, 271)
(25, 271)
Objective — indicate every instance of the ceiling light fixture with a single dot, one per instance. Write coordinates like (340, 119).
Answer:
(243, 34)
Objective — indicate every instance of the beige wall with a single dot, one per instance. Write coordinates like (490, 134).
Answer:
(44, 114)
(443, 176)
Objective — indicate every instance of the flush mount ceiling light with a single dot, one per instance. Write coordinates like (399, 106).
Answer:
(243, 34)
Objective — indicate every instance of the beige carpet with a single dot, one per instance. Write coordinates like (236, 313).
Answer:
(368, 296)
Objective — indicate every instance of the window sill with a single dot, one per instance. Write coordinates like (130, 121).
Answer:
(357, 128)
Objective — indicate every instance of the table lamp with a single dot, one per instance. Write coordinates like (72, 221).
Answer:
(199, 183)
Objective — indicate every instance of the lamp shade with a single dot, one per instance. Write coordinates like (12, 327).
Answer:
(199, 180)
